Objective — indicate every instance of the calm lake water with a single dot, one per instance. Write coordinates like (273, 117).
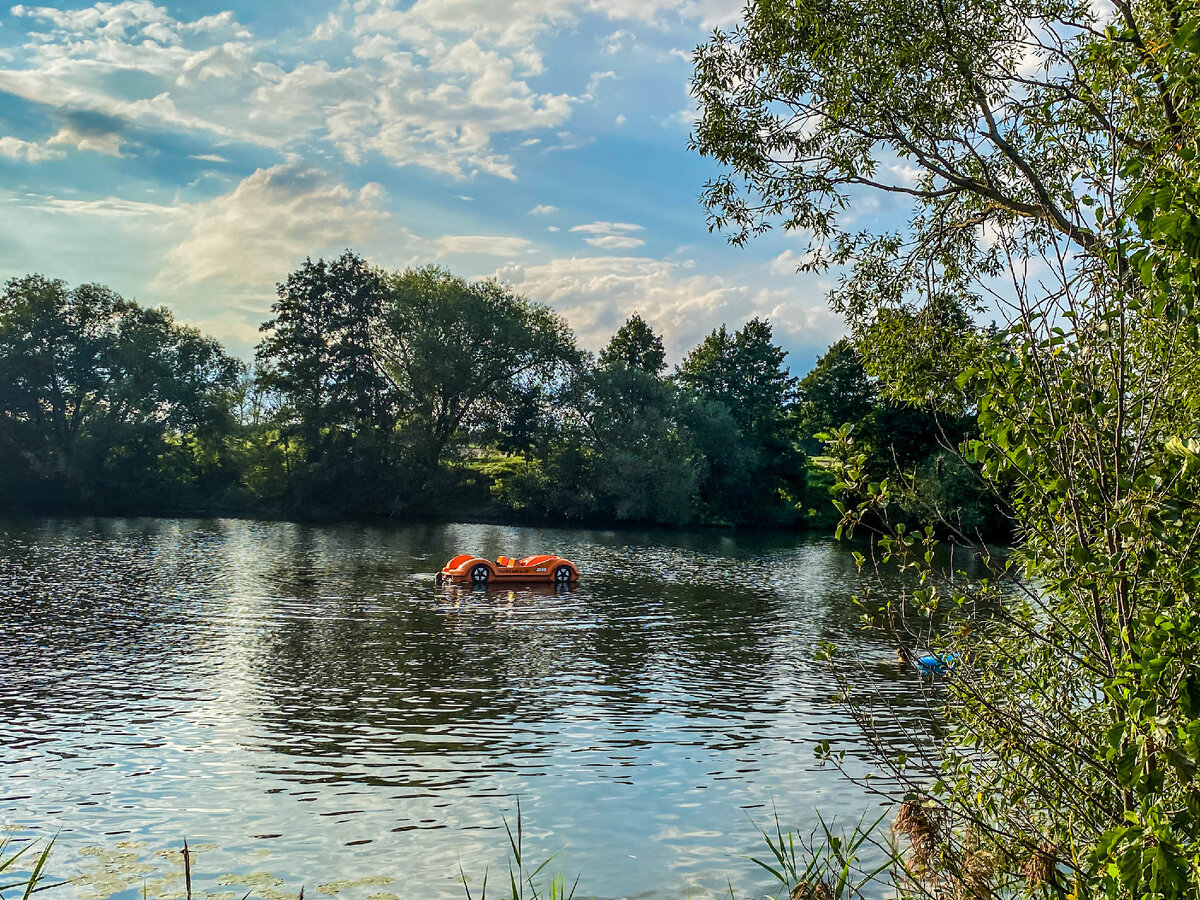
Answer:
(306, 706)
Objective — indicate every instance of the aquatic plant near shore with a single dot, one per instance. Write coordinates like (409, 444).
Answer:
(826, 866)
(27, 882)
(554, 889)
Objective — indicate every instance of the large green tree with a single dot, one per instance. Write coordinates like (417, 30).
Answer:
(629, 445)
(646, 465)
(744, 372)
(636, 345)
(1047, 149)
(836, 391)
(105, 402)
(461, 353)
(318, 356)
(909, 443)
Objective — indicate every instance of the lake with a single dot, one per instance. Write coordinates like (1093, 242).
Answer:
(305, 706)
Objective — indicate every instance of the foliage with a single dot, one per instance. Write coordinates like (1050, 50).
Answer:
(744, 372)
(636, 345)
(521, 882)
(317, 352)
(622, 452)
(728, 467)
(365, 379)
(1054, 144)
(459, 352)
(831, 867)
(836, 391)
(646, 466)
(317, 367)
(947, 489)
(821, 516)
(553, 483)
(417, 393)
(909, 443)
(413, 394)
(102, 400)
(712, 445)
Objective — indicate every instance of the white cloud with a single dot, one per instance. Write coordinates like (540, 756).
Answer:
(412, 92)
(441, 112)
(611, 235)
(224, 61)
(570, 142)
(110, 207)
(27, 151)
(614, 241)
(480, 244)
(714, 13)
(607, 228)
(209, 157)
(71, 90)
(789, 261)
(224, 21)
(438, 84)
(108, 143)
(543, 209)
(906, 174)
(595, 81)
(327, 29)
(596, 294)
(264, 227)
(686, 117)
(233, 328)
(90, 59)
(616, 41)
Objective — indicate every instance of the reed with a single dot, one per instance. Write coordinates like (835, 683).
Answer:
(554, 887)
(825, 865)
(30, 883)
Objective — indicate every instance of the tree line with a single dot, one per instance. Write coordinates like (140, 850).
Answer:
(422, 394)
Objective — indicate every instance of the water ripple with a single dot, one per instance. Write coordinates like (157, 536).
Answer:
(308, 692)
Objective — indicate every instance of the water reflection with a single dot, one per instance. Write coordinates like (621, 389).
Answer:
(311, 690)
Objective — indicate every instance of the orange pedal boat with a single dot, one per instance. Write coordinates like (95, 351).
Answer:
(476, 570)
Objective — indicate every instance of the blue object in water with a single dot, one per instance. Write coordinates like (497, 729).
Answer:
(929, 664)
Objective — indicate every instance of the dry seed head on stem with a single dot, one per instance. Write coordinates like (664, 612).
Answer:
(812, 890)
(1042, 866)
(976, 875)
(915, 822)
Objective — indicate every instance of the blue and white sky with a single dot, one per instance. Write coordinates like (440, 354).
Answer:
(191, 154)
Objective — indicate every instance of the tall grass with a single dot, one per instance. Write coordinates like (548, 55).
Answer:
(26, 883)
(524, 885)
(825, 865)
